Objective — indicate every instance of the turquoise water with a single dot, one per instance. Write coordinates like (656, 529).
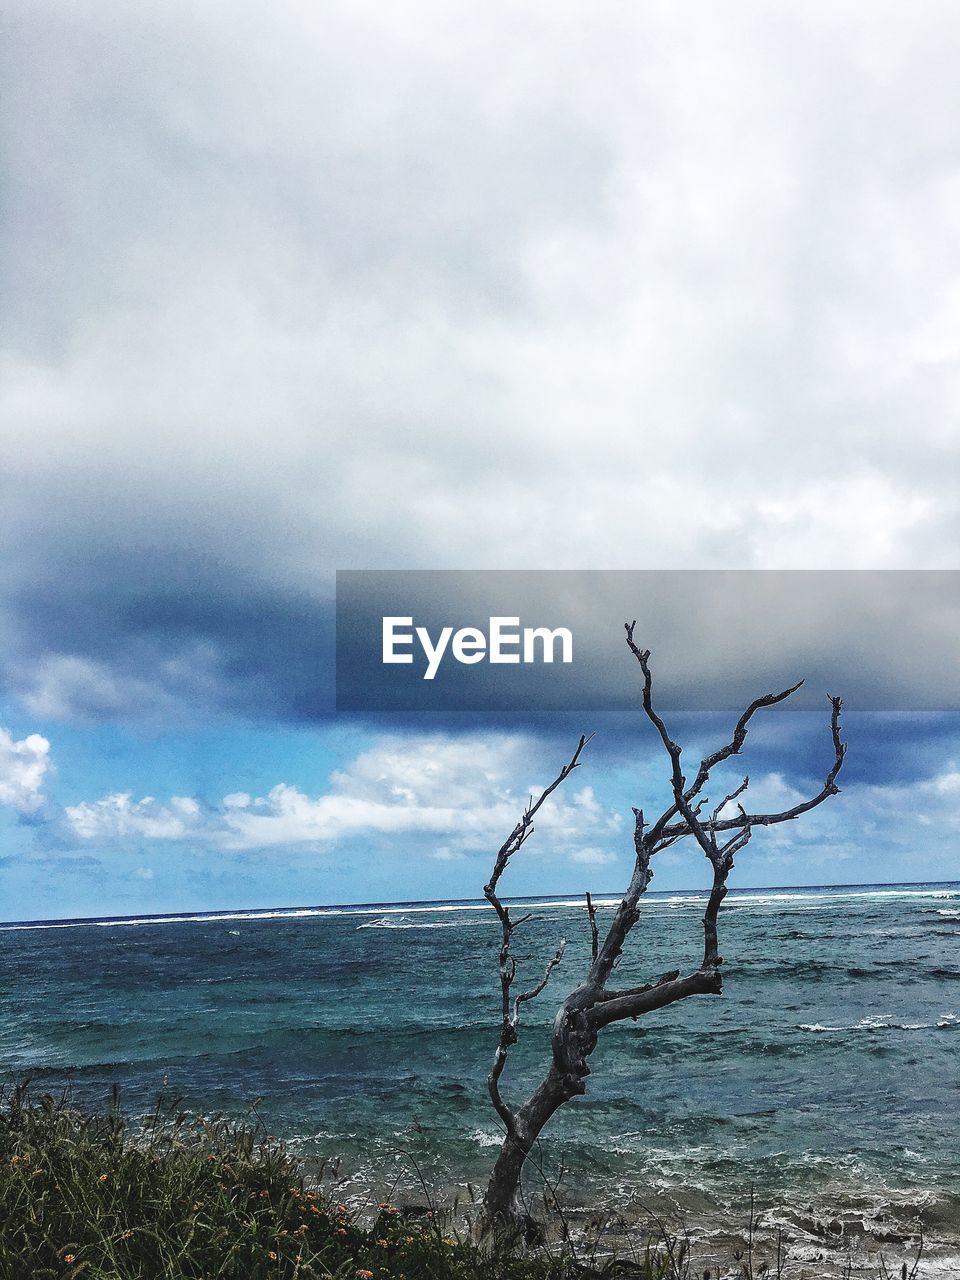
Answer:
(830, 1065)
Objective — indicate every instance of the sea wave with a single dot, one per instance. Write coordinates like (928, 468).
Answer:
(881, 1022)
(484, 1138)
(802, 898)
(402, 923)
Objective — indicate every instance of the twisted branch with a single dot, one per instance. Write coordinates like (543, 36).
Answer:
(593, 1005)
(510, 1008)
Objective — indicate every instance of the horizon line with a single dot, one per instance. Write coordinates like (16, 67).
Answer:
(428, 902)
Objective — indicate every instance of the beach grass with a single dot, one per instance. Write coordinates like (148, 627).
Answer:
(176, 1196)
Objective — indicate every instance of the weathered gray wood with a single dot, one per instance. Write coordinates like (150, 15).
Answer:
(591, 1006)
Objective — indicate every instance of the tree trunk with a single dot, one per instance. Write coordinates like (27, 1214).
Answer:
(502, 1202)
(573, 1041)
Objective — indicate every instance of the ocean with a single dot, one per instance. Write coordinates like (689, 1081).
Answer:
(826, 1078)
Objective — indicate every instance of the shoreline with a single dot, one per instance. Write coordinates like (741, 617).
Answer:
(840, 1230)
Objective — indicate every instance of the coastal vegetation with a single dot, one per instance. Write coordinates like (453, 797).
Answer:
(176, 1197)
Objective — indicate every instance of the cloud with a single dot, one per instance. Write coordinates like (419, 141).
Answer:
(893, 826)
(23, 767)
(593, 857)
(458, 791)
(436, 799)
(592, 287)
(119, 817)
(61, 686)
(448, 797)
(448, 855)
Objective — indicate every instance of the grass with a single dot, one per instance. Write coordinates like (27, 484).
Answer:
(177, 1197)
(174, 1196)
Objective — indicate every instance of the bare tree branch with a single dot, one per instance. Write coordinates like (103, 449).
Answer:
(510, 1012)
(657, 996)
(524, 827)
(594, 932)
(728, 799)
(535, 991)
(828, 789)
(592, 1005)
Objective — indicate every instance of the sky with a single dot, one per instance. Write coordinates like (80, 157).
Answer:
(344, 286)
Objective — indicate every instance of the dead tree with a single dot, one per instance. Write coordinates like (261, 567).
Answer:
(721, 832)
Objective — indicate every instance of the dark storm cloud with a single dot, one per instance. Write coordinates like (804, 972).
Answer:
(159, 637)
(336, 285)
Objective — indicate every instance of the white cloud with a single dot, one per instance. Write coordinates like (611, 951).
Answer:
(448, 855)
(446, 797)
(948, 782)
(237, 800)
(119, 817)
(24, 765)
(60, 684)
(461, 789)
(895, 821)
(456, 790)
(593, 857)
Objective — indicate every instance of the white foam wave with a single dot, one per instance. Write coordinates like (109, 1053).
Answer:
(131, 922)
(800, 899)
(299, 913)
(484, 1139)
(881, 1022)
(826, 896)
(385, 923)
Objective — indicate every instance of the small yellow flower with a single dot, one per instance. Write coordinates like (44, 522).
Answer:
(103, 1177)
(69, 1257)
(364, 1275)
(384, 1244)
(272, 1256)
